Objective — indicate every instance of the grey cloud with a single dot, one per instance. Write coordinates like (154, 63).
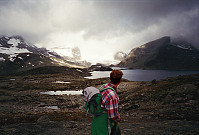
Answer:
(119, 55)
(137, 16)
(100, 19)
(76, 53)
(25, 18)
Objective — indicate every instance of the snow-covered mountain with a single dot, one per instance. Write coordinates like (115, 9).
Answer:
(16, 54)
(16, 44)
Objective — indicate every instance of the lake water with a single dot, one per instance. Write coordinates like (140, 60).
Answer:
(74, 92)
(52, 107)
(61, 82)
(142, 75)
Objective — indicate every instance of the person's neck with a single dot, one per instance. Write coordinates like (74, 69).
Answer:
(115, 85)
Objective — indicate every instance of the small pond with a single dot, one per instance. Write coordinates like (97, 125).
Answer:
(52, 107)
(74, 92)
(61, 82)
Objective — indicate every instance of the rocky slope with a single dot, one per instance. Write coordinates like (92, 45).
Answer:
(163, 54)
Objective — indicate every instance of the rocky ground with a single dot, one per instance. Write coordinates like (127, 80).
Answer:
(169, 106)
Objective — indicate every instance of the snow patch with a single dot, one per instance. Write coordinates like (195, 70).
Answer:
(184, 47)
(2, 59)
(78, 70)
(20, 58)
(63, 51)
(59, 61)
(13, 49)
(12, 57)
(14, 42)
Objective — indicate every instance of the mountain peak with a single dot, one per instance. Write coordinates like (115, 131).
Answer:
(15, 37)
(18, 37)
(159, 42)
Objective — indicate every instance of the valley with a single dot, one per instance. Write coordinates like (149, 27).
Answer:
(159, 106)
(155, 107)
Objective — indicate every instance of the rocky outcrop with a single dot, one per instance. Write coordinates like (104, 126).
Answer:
(99, 67)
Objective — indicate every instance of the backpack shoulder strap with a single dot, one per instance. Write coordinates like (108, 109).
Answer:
(108, 88)
(102, 88)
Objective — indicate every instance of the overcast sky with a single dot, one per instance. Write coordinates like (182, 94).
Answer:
(99, 27)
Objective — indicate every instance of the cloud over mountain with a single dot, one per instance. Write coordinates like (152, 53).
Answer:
(95, 25)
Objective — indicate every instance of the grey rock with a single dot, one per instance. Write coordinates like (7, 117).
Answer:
(43, 120)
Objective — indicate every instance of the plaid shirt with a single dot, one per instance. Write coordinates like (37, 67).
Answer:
(110, 101)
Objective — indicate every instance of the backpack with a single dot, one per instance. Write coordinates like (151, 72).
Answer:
(93, 100)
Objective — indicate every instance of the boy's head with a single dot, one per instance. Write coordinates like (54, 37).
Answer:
(116, 76)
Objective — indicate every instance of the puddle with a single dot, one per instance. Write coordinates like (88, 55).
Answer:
(32, 81)
(61, 82)
(63, 92)
(52, 107)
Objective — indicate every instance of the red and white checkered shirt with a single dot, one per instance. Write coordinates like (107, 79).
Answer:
(110, 102)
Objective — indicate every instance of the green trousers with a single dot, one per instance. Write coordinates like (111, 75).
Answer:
(101, 125)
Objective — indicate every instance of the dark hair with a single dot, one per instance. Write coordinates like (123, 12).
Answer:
(116, 76)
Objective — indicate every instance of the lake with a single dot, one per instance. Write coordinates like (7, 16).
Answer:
(72, 92)
(141, 75)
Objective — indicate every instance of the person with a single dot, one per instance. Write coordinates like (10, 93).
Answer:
(107, 123)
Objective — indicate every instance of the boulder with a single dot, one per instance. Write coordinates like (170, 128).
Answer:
(43, 120)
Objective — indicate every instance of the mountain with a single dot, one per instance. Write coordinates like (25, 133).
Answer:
(163, 54)
(17, 55)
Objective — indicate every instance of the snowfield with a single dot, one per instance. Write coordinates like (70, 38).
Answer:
(14, 42)
(13, 51)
